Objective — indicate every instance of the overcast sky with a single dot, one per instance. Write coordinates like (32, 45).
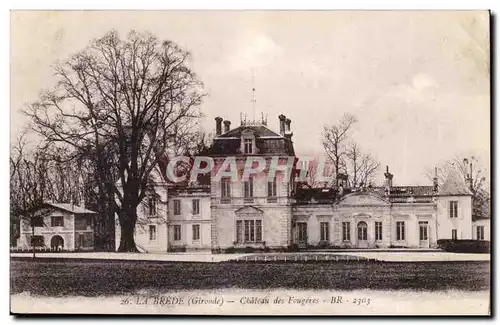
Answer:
(417, 81)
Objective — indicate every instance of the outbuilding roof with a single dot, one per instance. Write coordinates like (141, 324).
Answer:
(70, 208)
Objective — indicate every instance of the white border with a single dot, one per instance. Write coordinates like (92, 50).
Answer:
(189, 4)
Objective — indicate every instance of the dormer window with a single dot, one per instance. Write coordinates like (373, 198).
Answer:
(247, 146)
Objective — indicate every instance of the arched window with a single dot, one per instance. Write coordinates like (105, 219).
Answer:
(362, 231)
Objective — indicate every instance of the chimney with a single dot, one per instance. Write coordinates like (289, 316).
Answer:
(282, 119)
(288, 131)
(218, 125)
(435, 180)
(227, 126)
(388, 178)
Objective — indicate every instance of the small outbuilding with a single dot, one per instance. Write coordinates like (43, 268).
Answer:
(65, 226)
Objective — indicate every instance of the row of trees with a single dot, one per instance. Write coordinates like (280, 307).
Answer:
(44, 173)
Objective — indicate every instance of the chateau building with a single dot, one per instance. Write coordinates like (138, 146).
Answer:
(271, 210)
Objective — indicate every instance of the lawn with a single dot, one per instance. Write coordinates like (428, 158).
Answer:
(57, 277)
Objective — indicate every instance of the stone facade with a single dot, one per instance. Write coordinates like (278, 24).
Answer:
(266, 212)
(189, 220)
(366, 220)
(273, 211)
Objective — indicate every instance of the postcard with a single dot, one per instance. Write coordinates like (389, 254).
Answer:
(250, 162)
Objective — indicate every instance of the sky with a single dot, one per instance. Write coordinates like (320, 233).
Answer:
(418, 82)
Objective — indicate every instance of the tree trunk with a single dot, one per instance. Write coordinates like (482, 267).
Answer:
(128, 218)
(32, 241)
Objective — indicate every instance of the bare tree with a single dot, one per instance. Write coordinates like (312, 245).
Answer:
(361, 168)
(125, 102)
(80, 178)
(334, 142)
(28, 189)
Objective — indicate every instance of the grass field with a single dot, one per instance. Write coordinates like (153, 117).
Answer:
(55, 277)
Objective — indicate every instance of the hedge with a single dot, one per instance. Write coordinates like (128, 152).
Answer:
(464, 245)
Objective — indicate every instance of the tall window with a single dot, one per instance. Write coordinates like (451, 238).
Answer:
(247, 146)
(362, 231)
(196, 206)
(152, 232)
(378, 230)
(453, 209)
(324, 231)
(423, 230)
(196, 232)
(480, 232)
(454, 234)
(400, 230)
(152, 205)
(81, 240)
(239, 231)
(57, 221)
(177, 232)
(248, 231)
(346, 231)
(177, 207)
(248, 189)
(271, 191)
(225, 186)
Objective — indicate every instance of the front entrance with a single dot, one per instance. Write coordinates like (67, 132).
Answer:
(362, 234)
(302, 234)
(57, 242)
(423, 227)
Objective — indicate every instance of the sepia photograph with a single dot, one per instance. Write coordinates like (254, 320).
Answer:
(250, 162)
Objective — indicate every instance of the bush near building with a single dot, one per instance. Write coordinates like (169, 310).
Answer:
(464, 245)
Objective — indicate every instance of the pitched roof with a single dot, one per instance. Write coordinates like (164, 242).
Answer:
(398, 194)
(454, 185)
(258, 130)
(408, 193)
(71, 208)
(267, 142)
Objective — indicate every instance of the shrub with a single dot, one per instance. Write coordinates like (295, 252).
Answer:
(177, 249)
(293, 248)
(464, 245)
(230, 250)
(248, 249)
(397, 246)
(323, 244)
